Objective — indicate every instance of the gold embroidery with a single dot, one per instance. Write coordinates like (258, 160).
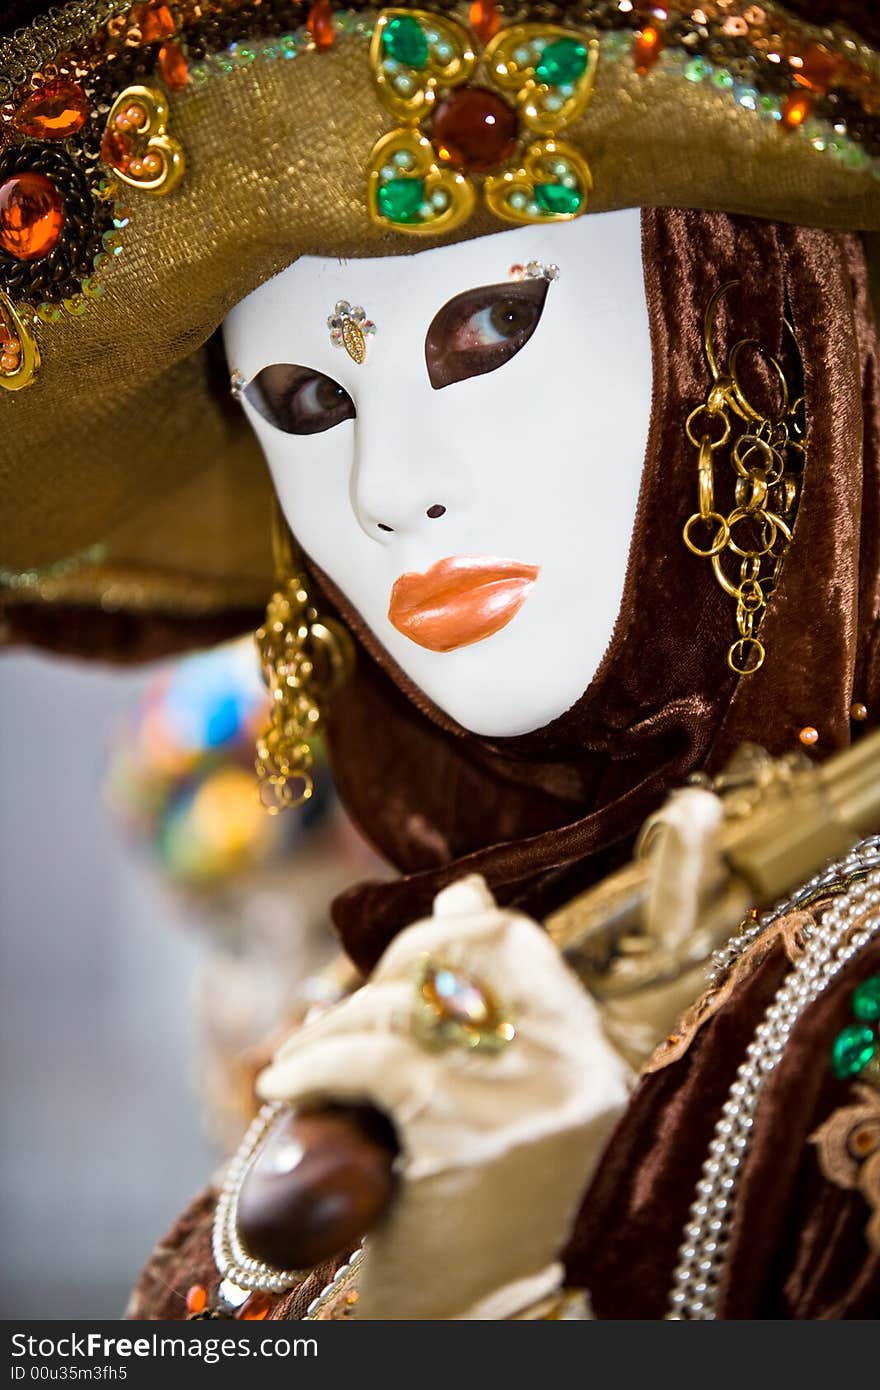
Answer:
(848, 1150)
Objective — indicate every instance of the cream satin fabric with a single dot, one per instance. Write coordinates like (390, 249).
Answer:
(680, 843)
(496, 1148)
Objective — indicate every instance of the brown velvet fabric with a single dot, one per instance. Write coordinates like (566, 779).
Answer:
(798, 1247)
(544, 815)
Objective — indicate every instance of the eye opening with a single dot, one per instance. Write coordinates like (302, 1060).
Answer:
(482, 329)
(299, 400)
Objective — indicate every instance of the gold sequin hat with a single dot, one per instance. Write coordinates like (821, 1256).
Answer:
(158, 161)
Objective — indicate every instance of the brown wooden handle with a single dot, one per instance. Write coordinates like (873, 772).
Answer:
(320, 1181)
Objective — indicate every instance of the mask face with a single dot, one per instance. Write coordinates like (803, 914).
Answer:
(471, 485)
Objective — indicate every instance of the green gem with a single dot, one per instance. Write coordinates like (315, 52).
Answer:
(853, 1049)
(561, 62)
(404, 40)
(556, 200)
(400, 199)
(866, 1000)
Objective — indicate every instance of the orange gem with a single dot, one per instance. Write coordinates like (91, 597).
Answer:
(59, 109)
(116, 149)
(320, 24)
(485, 18)
(196, 1298)
(173, 66)
(859, 712)
(820, 69)
(795, 110)
(257, 1307)
(647, 49)
(863, 1141)
(809, 736)
(155, 21)
(31, 216)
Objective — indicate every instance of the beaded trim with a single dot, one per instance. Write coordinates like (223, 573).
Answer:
(830, 945)
(763, 51)
(861, 859)
(236, 1266)
(342, 1276)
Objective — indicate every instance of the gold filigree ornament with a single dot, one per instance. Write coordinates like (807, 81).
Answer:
(499, 131)
(766, 455)
(19, 350)
(848, 1150)
(137, 145)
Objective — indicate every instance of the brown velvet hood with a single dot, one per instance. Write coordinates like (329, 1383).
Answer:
(543, 815)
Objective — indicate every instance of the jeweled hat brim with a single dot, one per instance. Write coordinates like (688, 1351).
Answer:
(129, 480)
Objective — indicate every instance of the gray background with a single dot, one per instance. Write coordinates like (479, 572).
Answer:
(101, 1143)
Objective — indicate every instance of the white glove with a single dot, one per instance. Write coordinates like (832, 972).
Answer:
(496, 1146)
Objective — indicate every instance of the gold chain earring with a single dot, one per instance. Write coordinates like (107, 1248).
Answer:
(767, 459)
(305, 659)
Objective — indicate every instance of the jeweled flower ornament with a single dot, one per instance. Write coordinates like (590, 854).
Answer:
(350, 328)
(470, 123)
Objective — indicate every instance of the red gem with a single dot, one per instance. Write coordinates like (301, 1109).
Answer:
(820, 69)
(320, 24)
(474, 129)
(196, 1298)
(485, 19)
(116, 149)
(155, 21)
(173, 66)
(257, 1308)
(647, 49)
(59, 109)
(31, 216)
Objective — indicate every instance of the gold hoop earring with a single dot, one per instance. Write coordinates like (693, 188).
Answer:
(305, 659)
(766, 458)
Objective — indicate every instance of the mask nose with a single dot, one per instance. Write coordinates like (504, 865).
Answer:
(401, 482)
(433, 513)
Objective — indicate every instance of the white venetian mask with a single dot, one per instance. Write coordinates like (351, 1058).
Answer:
(471, 484)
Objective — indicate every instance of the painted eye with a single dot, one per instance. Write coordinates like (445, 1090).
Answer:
(480, 330)
(297, 400)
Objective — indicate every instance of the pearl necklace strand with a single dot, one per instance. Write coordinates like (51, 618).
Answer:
(240, 1273)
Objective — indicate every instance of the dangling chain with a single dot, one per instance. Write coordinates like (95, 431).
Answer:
(305, 659)
(757, 529)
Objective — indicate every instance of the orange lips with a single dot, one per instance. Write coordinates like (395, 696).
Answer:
(459, 601)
